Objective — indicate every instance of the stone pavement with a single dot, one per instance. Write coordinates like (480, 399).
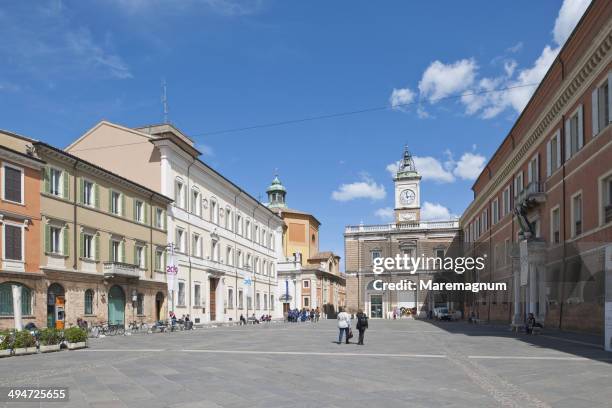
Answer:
(405, 363)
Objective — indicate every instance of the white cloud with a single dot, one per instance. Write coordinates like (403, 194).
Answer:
(385, 213)
(515, 48)
(83, 46)
(223, 7)
(435, 212)
(401, 97)
(469, 166)
(441, 80)
(206, 149)
(431, 169)
(366, 188)
(569, 14)
(392, 168)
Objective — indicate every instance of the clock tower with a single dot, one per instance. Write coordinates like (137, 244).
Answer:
(407, 190)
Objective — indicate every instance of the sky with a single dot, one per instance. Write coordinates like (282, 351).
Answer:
(448, 79)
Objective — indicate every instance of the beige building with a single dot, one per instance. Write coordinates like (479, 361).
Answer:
(407, 235)
(308, 278)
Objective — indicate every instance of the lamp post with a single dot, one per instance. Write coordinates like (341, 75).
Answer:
(295, 290)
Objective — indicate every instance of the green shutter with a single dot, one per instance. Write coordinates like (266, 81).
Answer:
(47, 238)
(122, 209)
(146, 258)
(81, 190)
(145, 208)
(164, 265)
(134, 210)
(82, 247)
(110, 249)
(66, 251)
(122, 250)
(135, 255)
(110, 201)
(96, 195)
(163, 219)
(66, 182)
(47, 180)
(97, 246)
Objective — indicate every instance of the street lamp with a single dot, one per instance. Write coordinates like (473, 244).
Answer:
(295, 291)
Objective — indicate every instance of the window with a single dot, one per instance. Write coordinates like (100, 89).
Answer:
(248, 229)
(306, 301)
(573, 134)
(555, 224)
(196, 294)
(140, 304)
(159, 259)
(484, 220)
(257, 301)
(87, 246)
(271, 302)
(239, 258)
(518, 183)
(116, 253)
(139, 211)
(600, 106)
(605, 193)
(181, 293)
(229, 257)
(239, 224)
(196, 246)
(115, 203)
(228, 219)
(159, 218)
(55, 240)
(12, 182)
(13, 242)
(179, 246)
(249, 301)
(248, 261)
(305, 284)
(495, 211)
(214, 212)
(196, 205)
(240, 300)
(230, 298)
(577, 215)
(6, 299)
(533, 170)
(55, 182)
(139, 256)
(265, 301)
(88, 193)
(270, 241)
(88, 302)
(214, 250)
(179, 195)
(376, 254)
(506, 201)
(553, 154)
(256, 234)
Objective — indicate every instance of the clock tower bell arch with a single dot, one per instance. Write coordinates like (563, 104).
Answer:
(407, 190)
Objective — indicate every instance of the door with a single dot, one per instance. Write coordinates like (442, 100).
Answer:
(159, 301)
(213, 299)
(116, 306)
(376, 307)
(285, 307)
(55, 290)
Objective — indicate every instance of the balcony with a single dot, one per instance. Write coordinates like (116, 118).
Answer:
(532, 195)
(121, 269)
(403, 226)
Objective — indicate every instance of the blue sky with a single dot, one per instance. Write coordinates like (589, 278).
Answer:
(228, 64)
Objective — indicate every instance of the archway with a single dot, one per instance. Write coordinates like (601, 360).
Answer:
(56, 306)
(116, 306)
(159, 303)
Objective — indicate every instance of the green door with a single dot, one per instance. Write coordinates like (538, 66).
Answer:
(116, 306)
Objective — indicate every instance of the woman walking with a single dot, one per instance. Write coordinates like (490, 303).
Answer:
(362, 325)
(344, 325)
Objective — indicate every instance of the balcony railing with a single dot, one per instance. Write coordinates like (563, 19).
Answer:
(121, 269)
(403, 226)
(533, 194)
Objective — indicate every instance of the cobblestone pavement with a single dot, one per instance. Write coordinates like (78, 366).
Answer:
(403, 364)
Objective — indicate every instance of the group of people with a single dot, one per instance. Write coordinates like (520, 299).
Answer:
(304, 315)
(185, 321)
(344, 326)
(254, 319)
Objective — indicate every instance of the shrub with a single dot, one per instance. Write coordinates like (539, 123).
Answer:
(24, 339)
(49, 337)
(5, 340)
(75, 335)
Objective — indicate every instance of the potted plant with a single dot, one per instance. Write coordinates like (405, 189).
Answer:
(49, 340)
(76, 338)
(5, 343)
(24, 343)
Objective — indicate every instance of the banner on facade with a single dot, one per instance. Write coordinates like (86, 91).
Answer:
(171, 272)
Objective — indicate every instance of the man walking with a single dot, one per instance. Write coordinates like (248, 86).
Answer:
(362, 325)
(344, 325)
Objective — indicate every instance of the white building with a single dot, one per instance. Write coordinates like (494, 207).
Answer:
(226, 243)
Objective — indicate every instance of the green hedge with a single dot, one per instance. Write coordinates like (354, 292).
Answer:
(75, 335)
(5, 340)
(49, 337)
(24, 339)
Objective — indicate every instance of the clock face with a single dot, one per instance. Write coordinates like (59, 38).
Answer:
(407, 197)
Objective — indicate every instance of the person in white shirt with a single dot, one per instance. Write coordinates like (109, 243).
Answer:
(344, 325)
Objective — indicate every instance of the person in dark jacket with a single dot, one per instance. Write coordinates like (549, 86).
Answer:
(362, 325)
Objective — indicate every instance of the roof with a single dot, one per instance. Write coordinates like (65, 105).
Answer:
(323, 255)
(280, 210)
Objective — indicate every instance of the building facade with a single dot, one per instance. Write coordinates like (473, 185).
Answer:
(225, 242)
(542, 207)
(21, 281)
(408, 235)
(308, 278)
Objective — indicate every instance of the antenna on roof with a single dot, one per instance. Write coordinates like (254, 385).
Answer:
(164, 100)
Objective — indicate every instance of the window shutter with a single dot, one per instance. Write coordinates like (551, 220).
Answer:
(110, 249)
(558, 136)
(47, 238)
(66, 182)
(81, 190)
(122, 209)
(135, 262)
(568, 141)
(548, 158)
(146, 258)
(134, 210)
(82, 246)
(110, 201)
(580, 129)
(163, 214)
(66, 242)
(122, 255)
(145, 217)
(536, 176)
(594, 112)
(530, 175)
(96, 195)
(47, 180)
(609, 96)
(97, 246)
(164, 265)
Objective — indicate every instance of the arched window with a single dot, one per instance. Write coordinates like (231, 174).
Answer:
(89, 302)
(6, 299)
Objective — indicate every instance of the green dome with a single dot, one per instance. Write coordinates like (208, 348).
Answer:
(276, 185)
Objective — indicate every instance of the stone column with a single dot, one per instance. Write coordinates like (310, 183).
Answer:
(516, 294)
(17, 306)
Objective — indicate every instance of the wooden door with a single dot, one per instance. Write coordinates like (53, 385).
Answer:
(213, 299)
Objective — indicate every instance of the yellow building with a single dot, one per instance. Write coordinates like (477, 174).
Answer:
(308, 278)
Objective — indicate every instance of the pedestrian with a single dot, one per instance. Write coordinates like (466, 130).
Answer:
(242, 320)
(317, 314)
(312, 315)
(344, 325)
(362, 325)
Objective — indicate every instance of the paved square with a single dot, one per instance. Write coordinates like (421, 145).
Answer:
(403, 363)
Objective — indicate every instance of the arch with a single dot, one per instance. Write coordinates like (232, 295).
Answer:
(159, 304)
(56, 304)
(88, 303)
(6, 299)
(116, 305)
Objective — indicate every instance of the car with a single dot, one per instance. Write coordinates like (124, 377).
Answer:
(441, 313)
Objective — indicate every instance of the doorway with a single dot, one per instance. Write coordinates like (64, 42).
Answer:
(56, 306)
(285, 307)
(159, 302)
(376, 306)
(116, 306)
(213, 298)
